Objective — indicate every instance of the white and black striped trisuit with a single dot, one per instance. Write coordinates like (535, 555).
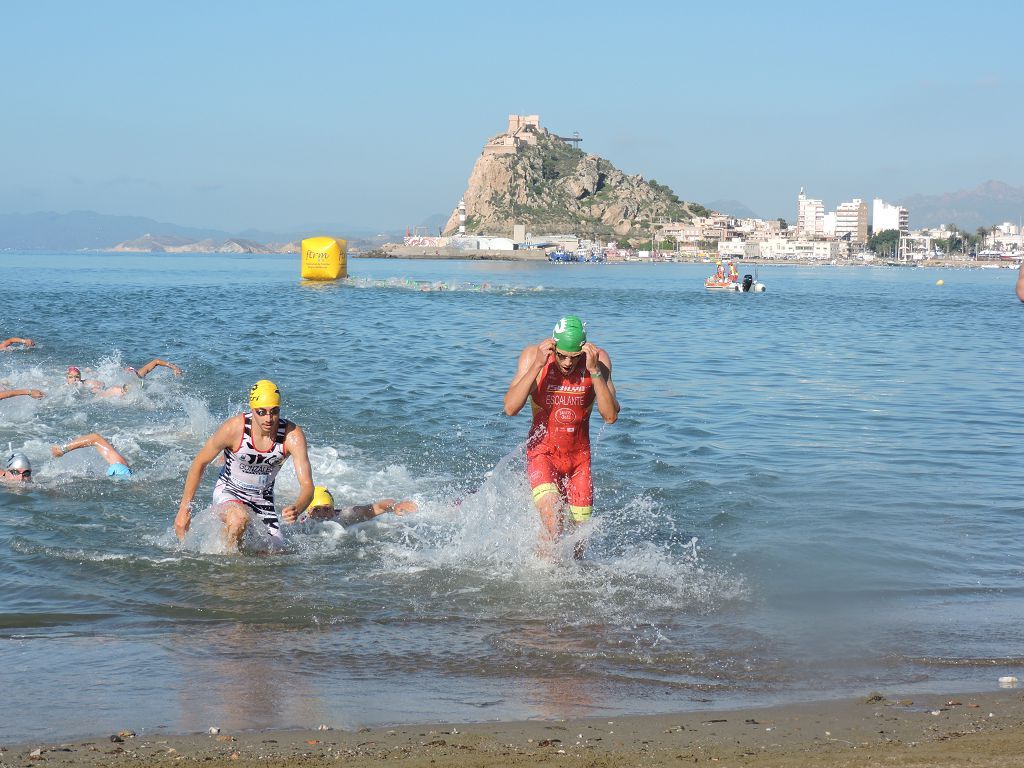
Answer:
(248, 475)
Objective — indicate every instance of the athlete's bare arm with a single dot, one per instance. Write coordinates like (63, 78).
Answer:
(599, 365)
(36, 393)
(228, 435)
(25, 343)
(1020, 283)
(295, 443)
(360, 513)
(103, 447)
(531, 362)
(152, 364)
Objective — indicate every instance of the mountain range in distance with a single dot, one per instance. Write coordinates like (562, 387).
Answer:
(988, 204)
(733, 208)
(88, 230)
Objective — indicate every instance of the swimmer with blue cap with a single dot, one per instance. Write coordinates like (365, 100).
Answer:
(117, 465)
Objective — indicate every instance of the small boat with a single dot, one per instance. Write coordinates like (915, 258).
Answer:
(748, 285)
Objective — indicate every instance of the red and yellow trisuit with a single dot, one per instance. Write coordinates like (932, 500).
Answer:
(558, 446)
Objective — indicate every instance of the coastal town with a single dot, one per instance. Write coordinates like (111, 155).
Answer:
(580, 208)
(853, 233)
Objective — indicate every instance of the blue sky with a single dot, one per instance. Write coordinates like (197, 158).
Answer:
(281, 115)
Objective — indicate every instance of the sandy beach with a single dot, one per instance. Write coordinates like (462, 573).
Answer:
(985, 729)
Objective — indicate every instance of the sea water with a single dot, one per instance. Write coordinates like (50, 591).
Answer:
(810, 492)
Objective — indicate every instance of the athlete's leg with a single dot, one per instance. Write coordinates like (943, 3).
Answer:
(547, 497)
(235, 516)
(580, 493)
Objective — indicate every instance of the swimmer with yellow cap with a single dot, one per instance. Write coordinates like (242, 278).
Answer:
(322, 508)
(255, 445)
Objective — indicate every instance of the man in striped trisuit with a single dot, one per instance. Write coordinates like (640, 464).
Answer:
(255, 446)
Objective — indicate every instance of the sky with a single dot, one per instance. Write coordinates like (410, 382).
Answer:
(277, 116)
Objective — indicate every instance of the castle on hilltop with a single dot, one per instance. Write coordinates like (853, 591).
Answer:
(522, 130)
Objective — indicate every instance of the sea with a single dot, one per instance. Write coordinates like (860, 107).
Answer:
(811, 493)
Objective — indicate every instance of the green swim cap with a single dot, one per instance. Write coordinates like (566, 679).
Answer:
(570, 334)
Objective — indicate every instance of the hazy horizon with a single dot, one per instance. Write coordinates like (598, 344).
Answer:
(240, 116)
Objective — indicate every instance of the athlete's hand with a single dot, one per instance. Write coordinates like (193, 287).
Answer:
(545, 349)
(181, 521)
(36, 393)
(592, 360)
(290, 514)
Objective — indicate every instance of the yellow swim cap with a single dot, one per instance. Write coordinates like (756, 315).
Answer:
(264, 394)
(321, 498)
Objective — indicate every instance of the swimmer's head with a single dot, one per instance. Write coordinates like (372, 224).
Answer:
(73, 373)
(570, 334)
(18, 464)
(264, 394)
(322, 505)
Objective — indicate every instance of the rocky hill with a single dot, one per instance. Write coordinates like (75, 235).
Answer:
(530, 176)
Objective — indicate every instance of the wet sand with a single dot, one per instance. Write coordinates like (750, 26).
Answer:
(979, 730)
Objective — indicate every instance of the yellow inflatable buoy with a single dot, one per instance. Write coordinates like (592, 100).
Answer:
(324, 258)
(940, 282)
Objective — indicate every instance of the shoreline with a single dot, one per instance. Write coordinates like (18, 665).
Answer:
(453, 254)
(981, 729)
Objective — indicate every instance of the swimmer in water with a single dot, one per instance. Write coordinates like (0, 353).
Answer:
(73, 378)
(322, 508)
(35, 393)
(117, 465)
(562, 377)
(18, 469)
(10, 343)
(255, 445)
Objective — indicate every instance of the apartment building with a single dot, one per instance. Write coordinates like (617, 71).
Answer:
(852, 221)
(885, 217)
(810, 216)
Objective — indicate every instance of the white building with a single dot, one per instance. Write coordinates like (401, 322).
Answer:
(738, 249)
(852, 220)
(810, 216)
(828, 228)
(819, 250)
(1006, 238)
(885, 217)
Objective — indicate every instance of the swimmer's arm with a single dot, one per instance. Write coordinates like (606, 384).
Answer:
(153, 364)
(103, 447)
(18, 392)
(604, 388)
(1020, 283)
(27, 343)
(360, 513)
(226, 436)
(531, 363)
(295, 443)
